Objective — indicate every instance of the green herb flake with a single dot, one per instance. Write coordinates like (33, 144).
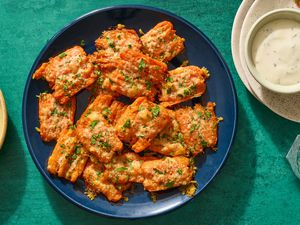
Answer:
(193, 127)
(63, 146)
(155, 111)
(82, 43)
(127, 124)
(94, 138)
(192, 161)
(98, 173)
(88, 112)
(203, 143)
(61, 55)
(141, 108)
(72, 127)
(94, 123)
(119, 36)
(148, 85)
(129, 46)
(105, 144)
(169, 91)
(186, 92)
(158, 171)
(106, 112)
(54, 112)
(142, 65)
(199, 114)
(170, 184)
(120, 169)
(180, 137)
(193, 88)
(179, 171)
(208, 114)
(97, 72)
(169, 79)
(77, 149)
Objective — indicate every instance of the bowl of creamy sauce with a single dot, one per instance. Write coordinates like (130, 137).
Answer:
(273, 50)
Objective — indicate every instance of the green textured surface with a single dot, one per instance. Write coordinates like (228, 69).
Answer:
(256, 185)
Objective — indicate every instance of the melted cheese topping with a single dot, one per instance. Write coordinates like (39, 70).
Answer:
(161, 42)
(199, 127)
(141, 122)
(166, 173)
(95, 133)
(182, 84)
(54, 117)
(68, 158)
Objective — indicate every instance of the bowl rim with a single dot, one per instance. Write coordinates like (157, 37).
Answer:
(104, 9)
(263, 20)
(3, 117)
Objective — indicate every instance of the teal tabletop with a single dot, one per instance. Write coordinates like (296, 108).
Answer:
(256, 184)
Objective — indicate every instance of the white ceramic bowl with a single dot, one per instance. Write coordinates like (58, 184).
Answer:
(3, 119)
(291, 14)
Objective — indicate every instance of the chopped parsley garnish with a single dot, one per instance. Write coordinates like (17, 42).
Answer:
(98, 173)
(88, 112)
(106, 112)
(208, 114)
(155, 111)
(203, 143)
(63, 146)
(56, 112)
(179, 171)
(77, 150)
(61, 55)
(169, 184)
(120, 169)
(82, 43)
(180, 137)
(129, 46)
(193, 88)
(193, 127)
(111, 43)
(148, 85)
(127, 124)
(97, 72)
(142, 65)
(94, 123)
(72, 127)
(199, 114)
(169, 91)
(192, 161)
(158, 171)
(105, 144)
(186, 92)
(100, 81)
(169, 79)
(95, 137)
(119, 36)
(141, 108)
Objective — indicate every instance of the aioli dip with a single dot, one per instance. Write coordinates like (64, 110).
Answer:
(276, 52)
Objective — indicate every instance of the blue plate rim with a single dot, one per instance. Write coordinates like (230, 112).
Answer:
(128, 6)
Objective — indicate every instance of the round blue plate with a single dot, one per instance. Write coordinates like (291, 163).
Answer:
(199, 51)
